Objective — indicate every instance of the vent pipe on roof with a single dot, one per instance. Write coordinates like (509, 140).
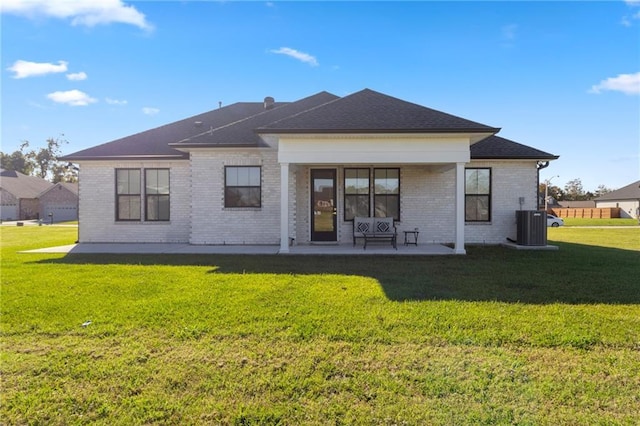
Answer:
(268, 102)
(219, 104)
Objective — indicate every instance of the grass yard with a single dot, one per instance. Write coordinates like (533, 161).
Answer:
(495, 337)
(578, 221)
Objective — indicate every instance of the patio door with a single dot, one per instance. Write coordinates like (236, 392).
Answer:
(323, 205)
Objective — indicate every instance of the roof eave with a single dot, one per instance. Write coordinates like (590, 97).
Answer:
(377, 131)
(514, 157)
(73, 158)
(214, 145)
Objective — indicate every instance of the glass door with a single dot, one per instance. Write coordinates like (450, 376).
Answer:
(323, 205)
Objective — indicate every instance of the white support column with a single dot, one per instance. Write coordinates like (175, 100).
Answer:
(460, 179)
(284, 207)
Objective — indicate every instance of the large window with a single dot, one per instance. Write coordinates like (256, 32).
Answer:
(128, 194)
(242, 186)
(477, 193)
(356, 193)
(386, 197)
(130, 199)
(157, 194)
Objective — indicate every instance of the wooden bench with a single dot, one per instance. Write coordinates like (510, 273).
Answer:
(375, 229)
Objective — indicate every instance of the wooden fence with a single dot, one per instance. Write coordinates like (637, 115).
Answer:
(602, 213)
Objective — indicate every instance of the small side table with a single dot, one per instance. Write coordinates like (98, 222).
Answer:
(411, 237)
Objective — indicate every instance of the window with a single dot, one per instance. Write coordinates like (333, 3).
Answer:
(242, 186)
(386, 196)
(128, 194)
(477, 194)
(156, 194)
(356, 193)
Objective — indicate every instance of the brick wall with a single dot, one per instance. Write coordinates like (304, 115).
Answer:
(97, 204)
(212, 223)
(427, 202)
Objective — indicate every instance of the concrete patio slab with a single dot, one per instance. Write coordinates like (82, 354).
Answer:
(181, 248)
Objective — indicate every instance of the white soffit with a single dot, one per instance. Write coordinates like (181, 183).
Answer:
(374, 148)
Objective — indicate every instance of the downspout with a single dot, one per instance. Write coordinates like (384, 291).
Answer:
(539, 166)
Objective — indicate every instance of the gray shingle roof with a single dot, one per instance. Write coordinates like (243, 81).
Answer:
(629, 192)
(21, 185)
(240, 124)
(368, 111)
(155, 142)
(496, 147)
(242, 132)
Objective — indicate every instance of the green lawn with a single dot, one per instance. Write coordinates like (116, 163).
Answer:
(495, 337)
(577, 221)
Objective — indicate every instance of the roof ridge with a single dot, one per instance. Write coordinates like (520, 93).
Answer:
(302, 112)
(212, 129)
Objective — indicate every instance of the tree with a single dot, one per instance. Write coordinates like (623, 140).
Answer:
(574, 191)
(43, 162)
(601, 190)
(17, 161)
(45, 159)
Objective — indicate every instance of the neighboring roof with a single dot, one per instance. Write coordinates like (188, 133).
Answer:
(629, 192)
(155, 142)
(495, 147)
(368, 111)
(587, 204)
(242, 132)
(71, 187)
(21, 185)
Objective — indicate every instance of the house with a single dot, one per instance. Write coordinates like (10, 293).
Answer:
(59, 202)
(19, 195)
(626, 198)
(299, 172)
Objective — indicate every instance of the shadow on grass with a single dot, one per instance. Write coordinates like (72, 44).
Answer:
(574, 274)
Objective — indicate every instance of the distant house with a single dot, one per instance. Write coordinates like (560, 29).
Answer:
(19, 195)
(586, 204)
(59, 202)
(626, 198)
(298, 172)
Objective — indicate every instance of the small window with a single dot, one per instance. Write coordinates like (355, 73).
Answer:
(356, 193)
(157, 194)
(128, 194)
(242, 186)
(386, 197)
(477, 189)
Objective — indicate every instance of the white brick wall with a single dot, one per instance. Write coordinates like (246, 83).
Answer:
(198, 214)
(427, 197)
(98, 203)
(212, 223)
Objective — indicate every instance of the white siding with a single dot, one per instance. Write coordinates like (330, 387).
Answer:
(97, 204)
(628, 208)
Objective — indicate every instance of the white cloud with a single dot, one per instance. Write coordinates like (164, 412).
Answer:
(626, 83)
(81, 12)
(77, 76)
(301, 56)
(150, 111)
(24, 69)
(115, 101)
(72, 97)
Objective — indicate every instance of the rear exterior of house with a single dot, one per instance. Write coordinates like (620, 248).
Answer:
(299, 172)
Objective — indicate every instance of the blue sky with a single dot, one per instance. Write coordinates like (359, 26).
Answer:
(563, 77)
